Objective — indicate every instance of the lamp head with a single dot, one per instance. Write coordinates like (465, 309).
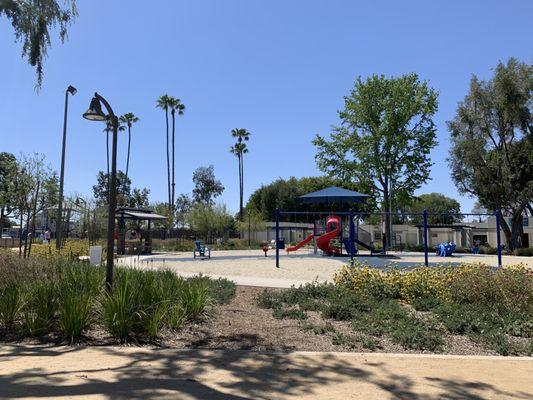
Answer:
(72, 90)
(94, 113)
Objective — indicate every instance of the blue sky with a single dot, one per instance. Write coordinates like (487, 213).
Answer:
(279, 69)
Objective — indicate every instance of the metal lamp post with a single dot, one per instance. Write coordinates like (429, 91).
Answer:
(94, 113)
(72, 90)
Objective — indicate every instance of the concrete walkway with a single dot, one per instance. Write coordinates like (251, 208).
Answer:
(34, 372)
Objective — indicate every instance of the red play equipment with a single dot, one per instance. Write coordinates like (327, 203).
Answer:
(333, 229)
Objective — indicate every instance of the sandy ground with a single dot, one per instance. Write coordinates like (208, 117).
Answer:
(34, 372)
(252, 268)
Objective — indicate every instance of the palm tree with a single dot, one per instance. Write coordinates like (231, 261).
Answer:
(164, 102)
(129, 119)
(175, 106)
(239, 149)
(109, 128)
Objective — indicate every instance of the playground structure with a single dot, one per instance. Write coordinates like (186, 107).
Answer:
(341, 235)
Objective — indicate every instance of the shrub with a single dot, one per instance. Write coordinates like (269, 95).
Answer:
(413, 333)
(194, 296)
(118, 310)
(11, 302)
(40, 310)
(293, 313)
(221, 290)
(369, 282)
(74, 313)
(524, 252)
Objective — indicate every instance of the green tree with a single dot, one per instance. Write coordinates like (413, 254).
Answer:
(210, 220)
(176, 106)
(8, 171)
(385, 137)
(126, 196)
(252, 223)
(434, 203)
(206, 186)
(239, 149)
(36, 188)
(491, 155)
(182, 207)
(128, 119)
(164, 103)
(284, 193)
(32, 20)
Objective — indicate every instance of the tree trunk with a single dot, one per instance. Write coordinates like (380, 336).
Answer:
(34, 212)
(506, 230)
(2, 210)
(242, 187)
(168, 164)
(128, 156)
(386, 210)
(21, 217)
(517, 230)
(173, 159)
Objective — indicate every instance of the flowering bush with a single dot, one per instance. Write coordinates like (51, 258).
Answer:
(510, 287)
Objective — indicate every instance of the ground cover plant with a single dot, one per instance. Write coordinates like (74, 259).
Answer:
(65, 298)
(417, 309)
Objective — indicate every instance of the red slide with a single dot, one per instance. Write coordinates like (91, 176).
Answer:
(333, 229)
(302, 243)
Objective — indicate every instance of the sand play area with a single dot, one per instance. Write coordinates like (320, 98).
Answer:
(252, 268)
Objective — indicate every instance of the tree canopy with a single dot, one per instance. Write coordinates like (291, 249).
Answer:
(384, 139)
(435, 203)
(206, 186)
(32, 21)
(126, 196)
(284, 193)
(491, 156)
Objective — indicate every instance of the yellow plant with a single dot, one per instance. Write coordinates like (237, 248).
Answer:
(435, 282)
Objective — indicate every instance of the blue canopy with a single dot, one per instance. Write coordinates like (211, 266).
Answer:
(334, 194)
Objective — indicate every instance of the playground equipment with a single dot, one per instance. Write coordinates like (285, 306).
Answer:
(333, 229)
(445, 249)
(350, 242)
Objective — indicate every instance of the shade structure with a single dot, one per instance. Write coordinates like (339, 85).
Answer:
(334, 194)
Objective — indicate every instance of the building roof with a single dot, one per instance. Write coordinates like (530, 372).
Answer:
(334, 194)
(138, 214)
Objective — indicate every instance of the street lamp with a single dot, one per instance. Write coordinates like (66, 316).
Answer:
(72, 90)
(95, 113)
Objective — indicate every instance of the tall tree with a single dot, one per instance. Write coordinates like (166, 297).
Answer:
(442, 209)
(32, 20)
(176, 106)
(126, 196)
(8, 171)
(164, 103)
(239, 149)
(384, 139)
(206, 186)
(128, 119)
(491, 156)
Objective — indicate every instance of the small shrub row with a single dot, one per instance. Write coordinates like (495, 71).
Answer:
(69, 297)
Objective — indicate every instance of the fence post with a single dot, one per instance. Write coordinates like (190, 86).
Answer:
(426, 238)
(352, 244)
(498, 238)
(277, 237)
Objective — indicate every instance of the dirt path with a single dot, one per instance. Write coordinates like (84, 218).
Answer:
(34, 372)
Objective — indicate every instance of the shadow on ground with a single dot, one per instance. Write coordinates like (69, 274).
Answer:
(200, 374)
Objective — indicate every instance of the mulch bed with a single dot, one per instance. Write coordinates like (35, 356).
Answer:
(242, 325)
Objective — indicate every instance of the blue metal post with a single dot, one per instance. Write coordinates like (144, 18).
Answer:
(498, 238)
(277, 237)
(426, 238)
(352, 246)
